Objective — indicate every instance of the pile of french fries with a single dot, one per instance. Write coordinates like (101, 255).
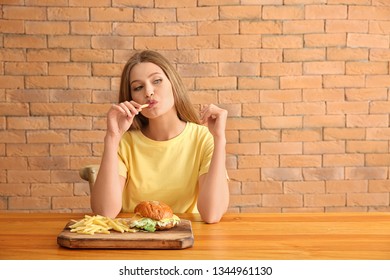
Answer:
(99, 224)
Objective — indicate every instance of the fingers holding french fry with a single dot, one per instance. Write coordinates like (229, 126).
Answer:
(99, 224)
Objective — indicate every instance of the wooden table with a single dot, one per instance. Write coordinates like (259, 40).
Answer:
(238, 236)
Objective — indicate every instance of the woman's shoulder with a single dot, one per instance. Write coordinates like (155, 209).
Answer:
(198, 129)
(199, 132)
(130, 136)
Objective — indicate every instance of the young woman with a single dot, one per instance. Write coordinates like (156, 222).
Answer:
(158, 148)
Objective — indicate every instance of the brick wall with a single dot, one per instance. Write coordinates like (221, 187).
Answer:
(306, 84)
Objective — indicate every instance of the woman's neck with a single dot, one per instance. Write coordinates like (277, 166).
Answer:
(161, 129)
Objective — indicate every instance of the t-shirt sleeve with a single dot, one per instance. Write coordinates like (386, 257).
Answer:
(121, 160)
(206, 152)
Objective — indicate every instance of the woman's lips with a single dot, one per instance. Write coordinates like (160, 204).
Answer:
(152, 103)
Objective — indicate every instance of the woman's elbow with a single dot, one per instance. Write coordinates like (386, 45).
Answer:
(211, 218)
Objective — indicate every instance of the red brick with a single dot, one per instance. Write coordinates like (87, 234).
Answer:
(240, 12)
(371, 12)
(14, 190)
(283, 12)
(193, 14)
(303, 26)
(337, 26)
(367, 121)
(65, 13)
(12, 136)
(31, 123)
(325, 200)
(325, 40)
(366, 173)
(28, 176)
(366, 94)
(281, 174)
(367, 199)
(47, 136)
(259, 109)
(244, 175)
(304, 54)
(23, 68)
(82, 202)
(323, 68)
(344, 133)
(48, 162)
(69, 41)
(300, 160)
(111, 42)
(346, 186)
(281, 122)
(90, 28)
(367, 41)
(11, 81)
(347, 53)
(49, 28)
(14, 109)
(157, 43)
(343, 160)
(306, 135)
(11, 26)
(259, 136)
(25, 13)
(216, 83)
(324, 121)
(257, 83)
(29, 203)
(257, 161)
(293, 95)
(285, 42)
(48, 190)
(114, 14)
(300, 82)
(262, 187)
(72, 149)
(27, 149)
(290, 148)
(319, 94)
(285, 200)
(243, 149)
(10, 162)
(304, 187)
(260, 27)
(326, 12)
(262, 55)
(97, 56)
(244, 200)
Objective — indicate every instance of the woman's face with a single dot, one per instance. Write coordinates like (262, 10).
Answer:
(149, 84)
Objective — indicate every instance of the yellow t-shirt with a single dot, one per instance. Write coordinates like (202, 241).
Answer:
(166, 171)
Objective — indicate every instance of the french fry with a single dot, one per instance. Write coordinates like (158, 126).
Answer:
(99, 224)
(144, 106)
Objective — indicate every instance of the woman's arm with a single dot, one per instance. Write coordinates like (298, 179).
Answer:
(213, 199)
(106, 193)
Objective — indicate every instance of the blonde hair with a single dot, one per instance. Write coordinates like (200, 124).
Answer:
(184, 108)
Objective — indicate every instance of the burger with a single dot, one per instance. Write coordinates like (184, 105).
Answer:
(152, 216)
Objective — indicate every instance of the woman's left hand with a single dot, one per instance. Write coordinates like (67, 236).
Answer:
(215, 118)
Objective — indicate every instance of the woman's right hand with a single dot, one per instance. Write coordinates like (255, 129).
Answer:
(120, 117)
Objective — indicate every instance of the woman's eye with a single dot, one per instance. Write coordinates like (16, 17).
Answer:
(137, 88)
(157, 81)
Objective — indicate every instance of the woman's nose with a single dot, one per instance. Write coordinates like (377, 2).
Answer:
(149, 91)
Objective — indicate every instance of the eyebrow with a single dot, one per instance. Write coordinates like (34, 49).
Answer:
(152, 74)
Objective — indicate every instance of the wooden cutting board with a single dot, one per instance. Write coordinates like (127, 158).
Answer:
(179, 237)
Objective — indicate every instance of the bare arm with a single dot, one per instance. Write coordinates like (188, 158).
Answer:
(213, 199)
(106, 194)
